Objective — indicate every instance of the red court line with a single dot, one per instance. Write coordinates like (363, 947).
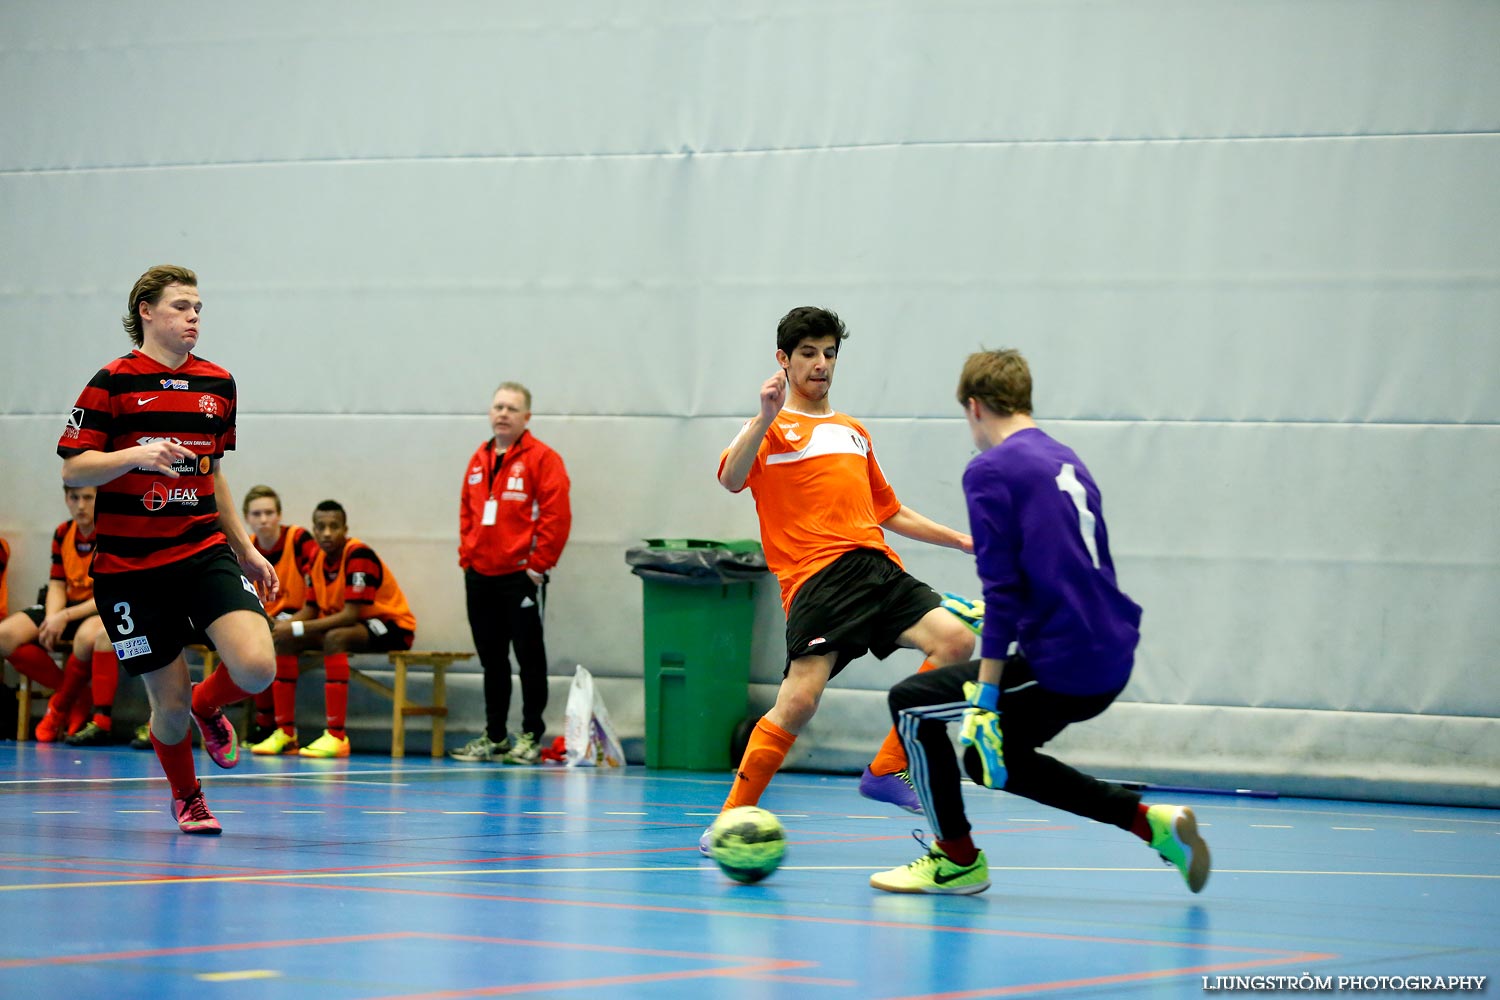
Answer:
(1123, 977)
(800, 918)
(752, 969)
(197, 949)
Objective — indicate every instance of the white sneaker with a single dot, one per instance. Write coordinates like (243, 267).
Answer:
(526, 750)
(482, 749)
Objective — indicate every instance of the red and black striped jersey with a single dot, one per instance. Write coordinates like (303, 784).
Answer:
(146, 520)
(4, 585)
(72, 554)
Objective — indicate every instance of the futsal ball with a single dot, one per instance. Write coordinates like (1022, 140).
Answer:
(747, 842)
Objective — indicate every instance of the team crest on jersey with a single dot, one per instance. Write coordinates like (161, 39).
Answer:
(357, 581)
(790, 430)
(208, 405)
(174, 383)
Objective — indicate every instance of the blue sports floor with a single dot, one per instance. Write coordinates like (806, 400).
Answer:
(375, 878)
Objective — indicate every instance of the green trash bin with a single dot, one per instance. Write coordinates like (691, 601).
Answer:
(698, 615)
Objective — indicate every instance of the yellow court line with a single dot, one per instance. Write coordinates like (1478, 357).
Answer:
(667, 870)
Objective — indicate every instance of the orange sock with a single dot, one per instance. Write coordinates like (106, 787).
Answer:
(216, 692)
(764, 754)
(891, 757)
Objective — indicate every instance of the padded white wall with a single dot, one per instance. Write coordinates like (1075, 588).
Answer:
(1249, 249)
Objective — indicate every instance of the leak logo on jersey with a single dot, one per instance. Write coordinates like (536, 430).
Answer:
(174, 383)
(158, 496)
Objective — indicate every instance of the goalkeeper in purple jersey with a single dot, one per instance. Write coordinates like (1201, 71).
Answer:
(1056, 647)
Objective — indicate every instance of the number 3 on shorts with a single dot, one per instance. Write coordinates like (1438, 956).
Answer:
(126, 625)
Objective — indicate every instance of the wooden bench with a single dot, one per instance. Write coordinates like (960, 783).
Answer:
(24, 694)
(402, 707)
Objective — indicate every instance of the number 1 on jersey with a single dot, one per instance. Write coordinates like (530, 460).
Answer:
(1067, 482)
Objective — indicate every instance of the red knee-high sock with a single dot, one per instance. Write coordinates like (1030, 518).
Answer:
(216, 692)
(891, 757)
(32, 660)
(177, 763)
(265, 707)
(336, 691)
(284, 692)
(76, 675)
(764, 754)
(105, 681)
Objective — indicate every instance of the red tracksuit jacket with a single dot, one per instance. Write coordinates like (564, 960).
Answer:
(532, 515)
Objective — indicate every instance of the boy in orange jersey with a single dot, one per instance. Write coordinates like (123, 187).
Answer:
(292, 551)
(824, 506)
(66, 615)
(356, 606)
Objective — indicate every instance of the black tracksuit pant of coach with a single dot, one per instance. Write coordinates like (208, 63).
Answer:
(923, 704)
(506, 611)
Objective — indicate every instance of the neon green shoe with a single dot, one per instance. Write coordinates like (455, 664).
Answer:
(935, 872)
(327, 745)
(279, 742)
(1174, 835)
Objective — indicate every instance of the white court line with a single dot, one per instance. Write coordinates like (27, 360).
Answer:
(1434, 831)
(1269, 826)
(54, 812)
(694, 868)
(1365, 829)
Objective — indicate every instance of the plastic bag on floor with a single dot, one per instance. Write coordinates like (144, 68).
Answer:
(588, 735)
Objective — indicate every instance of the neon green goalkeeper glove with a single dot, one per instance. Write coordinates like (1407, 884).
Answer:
(971, 613)
(981, 730)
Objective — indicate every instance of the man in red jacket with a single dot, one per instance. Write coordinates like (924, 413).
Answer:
(513, 521)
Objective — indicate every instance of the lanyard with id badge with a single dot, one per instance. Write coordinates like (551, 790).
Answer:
(492, 506)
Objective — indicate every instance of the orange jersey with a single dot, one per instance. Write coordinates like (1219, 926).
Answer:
(819, 493)
(359, 575)
(293, 557)
(72, 561)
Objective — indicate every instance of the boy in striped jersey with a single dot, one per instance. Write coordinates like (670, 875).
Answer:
(1057, 647)
(173, 564)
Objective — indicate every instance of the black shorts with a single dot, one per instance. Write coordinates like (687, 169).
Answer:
(38, 614)
(151, 614)
(385, 637)
(859, 603)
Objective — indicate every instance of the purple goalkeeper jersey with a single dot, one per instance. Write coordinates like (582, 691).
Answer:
(1043, 559)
